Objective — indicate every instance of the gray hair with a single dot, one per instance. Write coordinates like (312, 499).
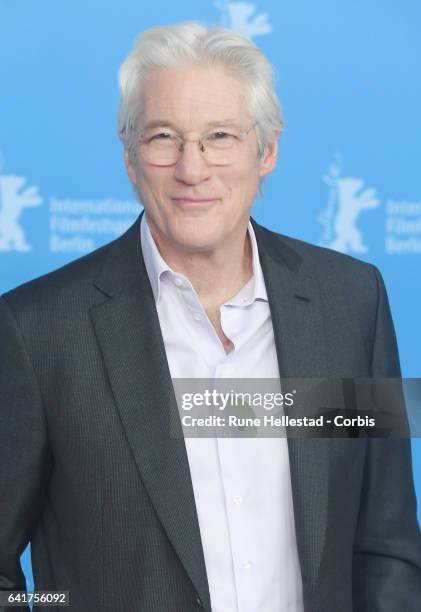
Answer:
(192, 43)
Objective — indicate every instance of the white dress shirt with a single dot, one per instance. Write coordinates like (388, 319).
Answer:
(242, 486)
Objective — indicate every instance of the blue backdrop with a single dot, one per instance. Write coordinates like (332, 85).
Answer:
(348, 175)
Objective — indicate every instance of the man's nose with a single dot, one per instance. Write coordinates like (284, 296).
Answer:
(192, 167)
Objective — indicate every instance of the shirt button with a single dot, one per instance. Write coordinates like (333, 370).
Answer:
(199, 602)
(238, 499)
(198, 316)
(178, 281)
(247, 565)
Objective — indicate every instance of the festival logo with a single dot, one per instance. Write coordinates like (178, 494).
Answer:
(242, 17)
(15, 197)
(348, 198)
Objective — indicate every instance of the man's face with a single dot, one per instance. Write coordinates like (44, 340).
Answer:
(192, 205)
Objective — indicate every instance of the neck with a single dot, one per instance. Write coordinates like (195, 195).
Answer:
(216, 275)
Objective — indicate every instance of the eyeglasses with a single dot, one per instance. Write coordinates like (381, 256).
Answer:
(164, 147)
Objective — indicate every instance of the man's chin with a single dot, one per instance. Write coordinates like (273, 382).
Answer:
(200, 233)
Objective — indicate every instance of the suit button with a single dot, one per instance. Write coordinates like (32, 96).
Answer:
(199, 602)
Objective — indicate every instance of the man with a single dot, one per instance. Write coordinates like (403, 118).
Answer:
(121, 512)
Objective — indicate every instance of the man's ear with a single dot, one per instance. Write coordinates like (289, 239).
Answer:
(269, 158)
(130, 167)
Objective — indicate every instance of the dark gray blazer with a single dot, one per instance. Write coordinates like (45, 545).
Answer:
(91, 476)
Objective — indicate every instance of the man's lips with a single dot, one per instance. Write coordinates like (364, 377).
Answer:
(194, 200)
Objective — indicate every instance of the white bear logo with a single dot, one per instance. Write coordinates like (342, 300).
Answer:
(13, 199)
(239, 17)
(347, 199)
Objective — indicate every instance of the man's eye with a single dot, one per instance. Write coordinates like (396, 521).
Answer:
(219, 135)
(162, 136)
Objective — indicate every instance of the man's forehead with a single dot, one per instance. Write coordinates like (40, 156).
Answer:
(204, 96)
(177, 113)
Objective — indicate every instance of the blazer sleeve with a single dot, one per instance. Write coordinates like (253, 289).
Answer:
(24, 454)
(387, 551)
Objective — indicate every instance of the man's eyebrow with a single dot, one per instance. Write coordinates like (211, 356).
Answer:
(169, 124)
(159, 123)
(223, 123)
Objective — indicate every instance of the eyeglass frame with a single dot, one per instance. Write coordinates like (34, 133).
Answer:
(241, 136)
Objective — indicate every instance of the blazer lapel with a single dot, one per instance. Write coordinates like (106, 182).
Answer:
(129, 336)
(295, 306)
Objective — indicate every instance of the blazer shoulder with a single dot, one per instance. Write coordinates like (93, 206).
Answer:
(318, 256)
(338, 275)
(68, 283)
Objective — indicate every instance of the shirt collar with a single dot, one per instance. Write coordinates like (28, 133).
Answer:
(156, 266)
